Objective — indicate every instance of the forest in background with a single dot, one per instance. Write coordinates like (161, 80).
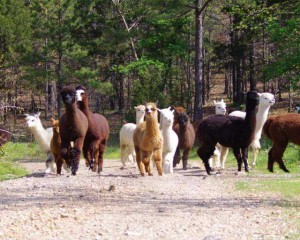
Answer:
(127, 52)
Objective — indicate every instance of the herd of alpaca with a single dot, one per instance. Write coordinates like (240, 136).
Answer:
(161, 141)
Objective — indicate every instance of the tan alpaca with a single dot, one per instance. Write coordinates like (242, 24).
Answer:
(148, 142)
(55, 147)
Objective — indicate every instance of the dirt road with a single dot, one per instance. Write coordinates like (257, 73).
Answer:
(120, 204)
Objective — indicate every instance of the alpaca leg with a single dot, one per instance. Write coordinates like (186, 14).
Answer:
(255, 145)
(75, 157)
(50, 161)
(59, 162)
(146, 158)
(185, 157)
(157, 156)
(278, 151)
(176, 157)
(131, 154)
(139, 161)
(238, 156)
(271, 160)
(123, 154)
(168, 162)
(245, 158)
(100, 156)
(223, 157)
(205, 152)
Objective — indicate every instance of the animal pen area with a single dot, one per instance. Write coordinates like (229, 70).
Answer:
(119, 203)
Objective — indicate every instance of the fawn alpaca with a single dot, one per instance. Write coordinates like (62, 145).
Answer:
(148, 142)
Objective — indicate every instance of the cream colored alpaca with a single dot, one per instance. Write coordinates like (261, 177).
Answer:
(126, 136)
(43, 138)
(266, 100)
(148, 142)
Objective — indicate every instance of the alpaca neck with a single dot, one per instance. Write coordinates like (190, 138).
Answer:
(41, 137)
(151, 127)
(139, 119)
(250, 120)
(167, 129)
(84, 106)
(261, 118)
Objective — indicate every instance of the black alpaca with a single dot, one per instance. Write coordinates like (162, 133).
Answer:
(73, 127)
(229, 131)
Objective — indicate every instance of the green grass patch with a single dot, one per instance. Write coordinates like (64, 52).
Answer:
(14, 152)
(285, 187)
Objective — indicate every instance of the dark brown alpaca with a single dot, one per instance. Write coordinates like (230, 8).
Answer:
(73, 126)
(97, 134)
(186, 136)
(281, 130)
(177, 112)
(229, 131)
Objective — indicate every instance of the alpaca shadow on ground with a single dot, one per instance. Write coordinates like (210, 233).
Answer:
(37, 175)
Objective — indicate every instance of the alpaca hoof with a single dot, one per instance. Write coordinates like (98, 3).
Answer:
(150, 174)
(143, 174)
(270, 169)
(48, 170)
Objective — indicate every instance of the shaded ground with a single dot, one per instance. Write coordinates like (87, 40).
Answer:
(120, 204)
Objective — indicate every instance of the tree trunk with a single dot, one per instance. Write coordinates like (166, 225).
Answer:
(251, 70)
(198, 112)
(59, 67)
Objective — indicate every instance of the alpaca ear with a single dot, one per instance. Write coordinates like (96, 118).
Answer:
(52, 120)
(215, 102)
(259, 94)
(38, 115)
(172, 107)
(222, 100)
(159, 110)
(169, 108)
(135, 108)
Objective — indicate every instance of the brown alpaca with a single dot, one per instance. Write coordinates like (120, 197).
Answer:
(73, 126)
(148, 142)
(55, 146)
(97, 135)
(281, 129)
(186, 135)
(177, 112)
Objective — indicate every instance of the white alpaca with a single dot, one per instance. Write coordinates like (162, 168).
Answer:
(266, 100)
(170, 139)
(126, 136)
(214, 161)
(43, 138)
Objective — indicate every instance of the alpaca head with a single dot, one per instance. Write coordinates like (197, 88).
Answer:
(168, 117)
(33, 120)
(252, 100)
(183, 120)
(55, 125)
(140, 111)
(80, 93)
(68, 95)
(151, 111)
(266, 99)
(220, 107)
(177, 112)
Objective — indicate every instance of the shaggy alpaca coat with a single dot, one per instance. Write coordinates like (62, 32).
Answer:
(186, 135)
(55, 147)
(148, 142)
(266, 100)
(73, 126)
(229, 131)
(43, 138)
(126, 136)
(281, 130)
(170, 139)
(97, 134)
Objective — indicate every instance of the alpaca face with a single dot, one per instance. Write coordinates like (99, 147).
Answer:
(151, 111)
(168, 118)
(33, 120)
(220, 107)
(183, 119)
(79, 95)
(68, 95)
(140, 110)
(266, 99)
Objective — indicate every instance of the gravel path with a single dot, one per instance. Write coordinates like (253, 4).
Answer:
(120, 204)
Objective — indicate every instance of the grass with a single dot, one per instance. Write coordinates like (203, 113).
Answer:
(9, 168)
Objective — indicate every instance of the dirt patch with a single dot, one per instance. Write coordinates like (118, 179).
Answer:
(120, 204)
